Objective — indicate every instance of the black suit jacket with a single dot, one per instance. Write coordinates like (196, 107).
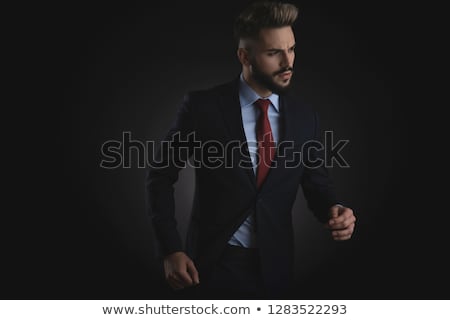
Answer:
(226, 193)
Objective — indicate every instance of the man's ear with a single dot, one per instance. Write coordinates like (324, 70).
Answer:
(243, 56)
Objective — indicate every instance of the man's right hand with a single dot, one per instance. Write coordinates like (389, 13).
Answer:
(180, 270)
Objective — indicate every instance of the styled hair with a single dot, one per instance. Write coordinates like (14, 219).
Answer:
(261, 15)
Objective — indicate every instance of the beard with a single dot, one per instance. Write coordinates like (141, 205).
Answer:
(267, 80)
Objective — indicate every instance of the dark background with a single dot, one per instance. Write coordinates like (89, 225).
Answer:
(125, 67)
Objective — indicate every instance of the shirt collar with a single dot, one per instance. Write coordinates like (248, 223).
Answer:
(248, 96)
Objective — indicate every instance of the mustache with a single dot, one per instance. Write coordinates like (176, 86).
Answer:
(284, 70)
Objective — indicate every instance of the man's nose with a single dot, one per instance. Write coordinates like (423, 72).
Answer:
(285, 60)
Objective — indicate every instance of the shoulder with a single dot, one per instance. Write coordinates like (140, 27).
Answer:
(211, 94)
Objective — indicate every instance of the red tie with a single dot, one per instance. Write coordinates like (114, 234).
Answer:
(266, 145)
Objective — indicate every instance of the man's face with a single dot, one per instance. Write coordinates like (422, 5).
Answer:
(272, 58)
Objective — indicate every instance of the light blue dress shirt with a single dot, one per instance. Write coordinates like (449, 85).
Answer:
(245, 236)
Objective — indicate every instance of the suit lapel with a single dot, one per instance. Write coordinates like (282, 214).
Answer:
(288, 119)
(296, 122)
(292, 135)
(292, 129)
(230, 110)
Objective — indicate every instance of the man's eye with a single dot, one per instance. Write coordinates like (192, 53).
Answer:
(272, 53)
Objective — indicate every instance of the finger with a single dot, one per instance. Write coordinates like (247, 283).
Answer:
(344, 213)
(343, 224)
(192, 270)
(343, 234)
(174, 278)
(348, 229)
(334, 212)
(174, 284)
(343, 238)
(344, 220)
(333, 215)
(184, 277)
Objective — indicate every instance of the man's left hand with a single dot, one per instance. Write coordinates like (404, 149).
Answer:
(341, 222)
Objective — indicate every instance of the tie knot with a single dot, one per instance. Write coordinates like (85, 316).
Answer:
(263, 104)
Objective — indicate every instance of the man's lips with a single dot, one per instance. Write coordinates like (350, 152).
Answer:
(285, 75)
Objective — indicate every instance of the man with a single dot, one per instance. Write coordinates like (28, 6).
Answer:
(240, 238)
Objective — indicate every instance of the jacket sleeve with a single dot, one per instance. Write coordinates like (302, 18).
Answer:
(316, 182)
(171, 156)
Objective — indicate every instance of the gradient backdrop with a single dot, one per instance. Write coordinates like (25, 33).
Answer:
(125, 68)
